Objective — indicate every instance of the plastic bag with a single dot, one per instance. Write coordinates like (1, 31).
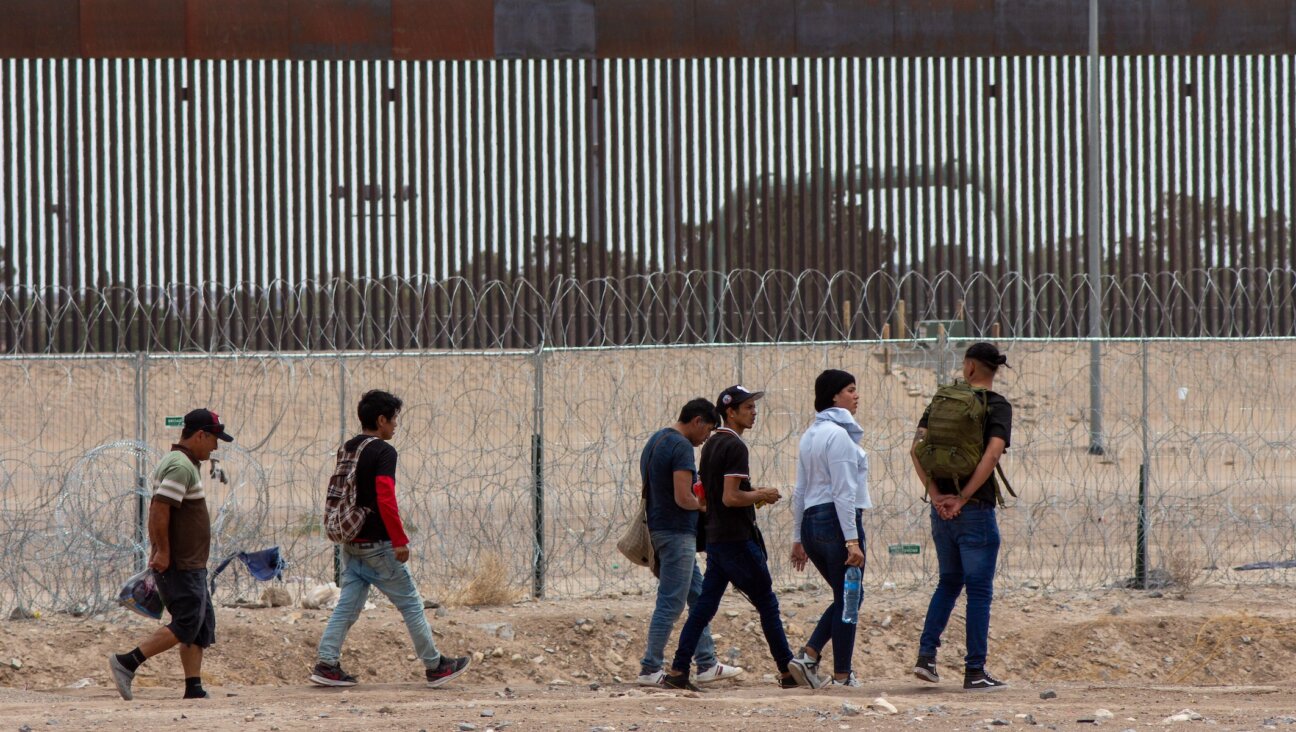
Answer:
(141, 595)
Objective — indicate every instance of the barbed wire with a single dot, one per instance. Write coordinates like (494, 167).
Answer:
(483, 429)
(694, 307)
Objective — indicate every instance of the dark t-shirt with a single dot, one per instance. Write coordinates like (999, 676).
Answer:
(998, 424)
(666, 452)
(725, 454)
(379, 458)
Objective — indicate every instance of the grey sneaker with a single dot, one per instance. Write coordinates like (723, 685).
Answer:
(804, 675)
(121, 677)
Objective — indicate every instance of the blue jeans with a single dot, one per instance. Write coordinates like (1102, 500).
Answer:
(679, 582)
(742, 563)
(376, 566)
(825, 544)
(967, 548)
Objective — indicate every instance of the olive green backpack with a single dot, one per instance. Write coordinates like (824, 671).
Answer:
(955, 439)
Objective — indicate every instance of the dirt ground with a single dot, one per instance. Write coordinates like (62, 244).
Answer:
(1225, 654)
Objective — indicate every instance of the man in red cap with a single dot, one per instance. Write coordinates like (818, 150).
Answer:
(179, 530)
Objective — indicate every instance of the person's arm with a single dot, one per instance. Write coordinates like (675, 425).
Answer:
(983, 470)
(799, 557)
(928, 483)
(388, 510)
(683, 485)
(798, 500)
(843, 472)
(682, 466)
(735, 497)
(159, 532)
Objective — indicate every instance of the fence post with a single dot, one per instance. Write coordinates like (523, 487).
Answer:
(1093, 171)
(1140, 540)
(141, 469)
(537, 475)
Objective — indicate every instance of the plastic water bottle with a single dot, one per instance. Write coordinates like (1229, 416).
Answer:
(851, 595)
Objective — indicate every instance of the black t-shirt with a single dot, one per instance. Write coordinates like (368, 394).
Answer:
(725, 454)
(379, 458)
(998, 424)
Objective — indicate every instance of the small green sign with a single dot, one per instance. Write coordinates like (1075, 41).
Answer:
(175, 421)
(904, 549)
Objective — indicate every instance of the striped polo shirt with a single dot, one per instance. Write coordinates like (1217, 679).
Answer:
(178, 483)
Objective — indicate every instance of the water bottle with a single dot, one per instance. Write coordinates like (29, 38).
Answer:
(851, 595)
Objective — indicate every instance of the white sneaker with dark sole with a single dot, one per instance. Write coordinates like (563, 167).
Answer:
(121, 677)
(718, 672)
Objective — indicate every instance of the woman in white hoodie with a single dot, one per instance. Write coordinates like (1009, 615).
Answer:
(827, 511)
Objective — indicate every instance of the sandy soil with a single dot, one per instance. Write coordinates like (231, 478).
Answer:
(1226, 654)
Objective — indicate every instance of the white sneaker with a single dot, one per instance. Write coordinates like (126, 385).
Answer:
(804, 674)
(717, 673)
(652, 679)
(850, 681)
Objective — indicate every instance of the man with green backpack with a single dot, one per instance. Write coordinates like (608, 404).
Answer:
(961, 436)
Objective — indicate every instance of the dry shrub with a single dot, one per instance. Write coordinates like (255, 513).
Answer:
(489, 586)
(1183, 568)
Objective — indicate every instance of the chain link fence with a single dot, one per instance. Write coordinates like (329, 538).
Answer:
(530, 455)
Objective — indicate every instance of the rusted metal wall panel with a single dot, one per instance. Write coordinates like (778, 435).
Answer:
(638, 29)
(341, 29)
(944, 27)
(133, 28)
(544, 29)
(746, 28)
(1041, 27)
(235, 29)
(443, 29)
(39, 28)
(845, 27)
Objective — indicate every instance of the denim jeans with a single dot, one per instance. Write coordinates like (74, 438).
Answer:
(376, 566)
(825, 544)
(679, 582)
(967, 548)
(742, 563)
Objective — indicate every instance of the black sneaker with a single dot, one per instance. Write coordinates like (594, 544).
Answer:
(325, 674)
(978, 679)
(448, 669)
(925, 669)
(679, 682)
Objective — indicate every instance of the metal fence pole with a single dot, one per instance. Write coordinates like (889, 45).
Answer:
(537, 474)
(1145, 476)
(141, 469)
(1093, 173)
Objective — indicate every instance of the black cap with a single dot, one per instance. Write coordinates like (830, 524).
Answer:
(207, 421)
(986, 353)
(828, 385)
(735, 395)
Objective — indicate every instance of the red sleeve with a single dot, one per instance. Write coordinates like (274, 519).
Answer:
(385, 486)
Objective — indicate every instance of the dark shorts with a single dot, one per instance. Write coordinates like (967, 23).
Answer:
(184, 593)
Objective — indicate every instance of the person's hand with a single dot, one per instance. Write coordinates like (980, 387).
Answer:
(402, 554)
(799, 557)
(159, 561)
(770, 495)
(949, 507)
(854, 556)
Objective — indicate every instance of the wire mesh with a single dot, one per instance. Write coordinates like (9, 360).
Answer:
(530, 455)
